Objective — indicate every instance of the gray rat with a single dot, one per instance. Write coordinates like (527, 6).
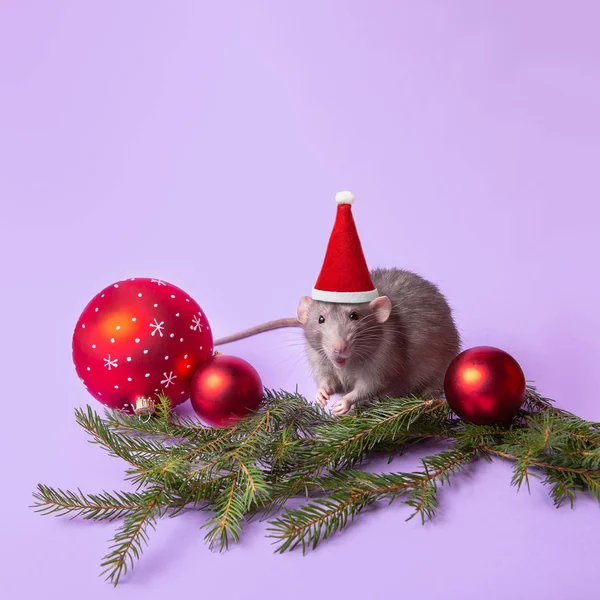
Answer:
(398, 344)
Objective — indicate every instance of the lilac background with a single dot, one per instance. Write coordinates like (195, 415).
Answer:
(203, 144)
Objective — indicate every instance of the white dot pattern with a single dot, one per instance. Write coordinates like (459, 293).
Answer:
(113, 369)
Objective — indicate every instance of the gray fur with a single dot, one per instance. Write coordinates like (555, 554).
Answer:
(407, 354)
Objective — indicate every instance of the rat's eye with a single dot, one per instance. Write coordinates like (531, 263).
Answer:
(353, 316)
(321, 319)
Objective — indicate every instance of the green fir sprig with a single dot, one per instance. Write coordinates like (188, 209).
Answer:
(292, 448)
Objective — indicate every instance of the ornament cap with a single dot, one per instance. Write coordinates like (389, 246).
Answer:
(144, 406)
(344, 198)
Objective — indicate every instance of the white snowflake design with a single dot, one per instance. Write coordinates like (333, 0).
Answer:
(159, 282)
(110, 363)
(196, 322)
(158, 327)
(168, 380)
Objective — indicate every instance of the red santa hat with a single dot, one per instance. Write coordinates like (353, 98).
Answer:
(344, 276)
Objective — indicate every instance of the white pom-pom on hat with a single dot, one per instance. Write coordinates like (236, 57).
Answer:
(344, 198)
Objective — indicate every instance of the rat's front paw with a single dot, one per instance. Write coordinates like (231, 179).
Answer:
(342, 406)
(323, 395)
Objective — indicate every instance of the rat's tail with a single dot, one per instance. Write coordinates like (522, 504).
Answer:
(277, 324)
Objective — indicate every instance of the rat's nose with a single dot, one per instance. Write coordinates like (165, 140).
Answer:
(339, 347)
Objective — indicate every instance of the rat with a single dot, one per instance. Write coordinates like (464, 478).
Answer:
(399, 344)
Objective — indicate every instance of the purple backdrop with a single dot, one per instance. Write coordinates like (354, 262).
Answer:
(203, 144)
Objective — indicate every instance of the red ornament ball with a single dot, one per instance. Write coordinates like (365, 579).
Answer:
(138, 337)
(485, 385)
(225, 389)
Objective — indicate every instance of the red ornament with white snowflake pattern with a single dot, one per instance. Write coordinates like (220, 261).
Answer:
(137, 337)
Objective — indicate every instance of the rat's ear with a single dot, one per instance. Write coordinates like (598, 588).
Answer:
(382, 308)
(303, 307)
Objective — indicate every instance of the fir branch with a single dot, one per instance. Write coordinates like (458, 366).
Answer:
(246, 449)
(527, 461)
(253, 438)
(343, 444)
(352, 491)
(134, 450)
(96, 507)
(291, 447)
(199, 495)
(170, 428)
(239, 496)
(246, 481)
(535, 403)
(131, 537)
(563, 487)
(230, 508)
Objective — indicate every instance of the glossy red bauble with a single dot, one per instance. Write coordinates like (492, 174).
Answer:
(137, 337)
(225, 389)
(485, 385)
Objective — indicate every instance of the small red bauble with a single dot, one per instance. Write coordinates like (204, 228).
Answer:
(225, 389)
(485, 385)
(138, 337)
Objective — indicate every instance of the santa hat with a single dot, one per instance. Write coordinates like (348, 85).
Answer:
(344, 276)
